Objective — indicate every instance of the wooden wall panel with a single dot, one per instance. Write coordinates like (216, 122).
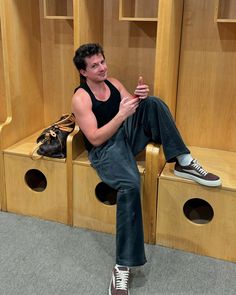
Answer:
(129, 46)
(168, 50)
(3, 113)
(206, 104)
(57, 44)
(88, 21)
(22, 66)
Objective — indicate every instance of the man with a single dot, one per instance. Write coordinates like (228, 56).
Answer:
(116, 127)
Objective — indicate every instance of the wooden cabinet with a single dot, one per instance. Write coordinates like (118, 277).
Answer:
(37, 72)
(138, 10)
(196, 218)
(225, 11)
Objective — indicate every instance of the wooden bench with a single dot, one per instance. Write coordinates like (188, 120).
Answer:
(88, 211)
(63, 190)
(196, 218)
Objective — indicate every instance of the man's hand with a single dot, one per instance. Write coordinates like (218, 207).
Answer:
(142, 90)
(128, 106)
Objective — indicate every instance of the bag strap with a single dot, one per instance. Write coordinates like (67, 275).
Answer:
(70, 117)
(33, 153)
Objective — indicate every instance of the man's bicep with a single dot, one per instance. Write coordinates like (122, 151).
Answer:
(87, 123)
(85, 117)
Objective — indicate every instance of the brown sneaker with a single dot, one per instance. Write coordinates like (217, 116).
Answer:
(195, 172)
(119, 281)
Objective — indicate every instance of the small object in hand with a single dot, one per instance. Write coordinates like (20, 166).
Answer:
(140, 82)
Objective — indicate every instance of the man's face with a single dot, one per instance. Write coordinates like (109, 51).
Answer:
(96, 69)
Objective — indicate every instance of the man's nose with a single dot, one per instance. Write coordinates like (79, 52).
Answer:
(101, 67)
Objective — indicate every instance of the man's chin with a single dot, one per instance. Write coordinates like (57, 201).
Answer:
(102, 78)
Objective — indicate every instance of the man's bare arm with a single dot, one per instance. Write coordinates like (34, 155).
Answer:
(82, 109)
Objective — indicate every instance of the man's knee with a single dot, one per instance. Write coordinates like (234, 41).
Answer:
(157, 102)
(131, 185)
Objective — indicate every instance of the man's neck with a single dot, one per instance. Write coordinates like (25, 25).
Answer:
(96, 86)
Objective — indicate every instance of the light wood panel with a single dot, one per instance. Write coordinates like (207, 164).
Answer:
(216, 238)
(57, 46)
(154, 163)
(206, 104)
(88, 21)
(39, 69)
(3, 112)
(168, 50)
(136, 56)
(88, 211)
(23, 71)
(49, 204)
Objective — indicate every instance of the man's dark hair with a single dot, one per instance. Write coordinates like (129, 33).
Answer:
(86, 50)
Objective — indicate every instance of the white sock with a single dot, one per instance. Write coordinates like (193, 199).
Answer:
(185, 159)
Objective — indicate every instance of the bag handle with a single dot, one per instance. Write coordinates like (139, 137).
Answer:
(68, 117)
(33, 153)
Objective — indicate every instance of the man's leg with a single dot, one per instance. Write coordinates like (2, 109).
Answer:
(116, 166)
(153, 122)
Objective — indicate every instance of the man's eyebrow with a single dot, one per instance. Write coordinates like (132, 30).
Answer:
(96, 63)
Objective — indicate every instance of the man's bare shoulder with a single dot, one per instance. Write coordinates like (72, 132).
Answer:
(81, 95)
(81, 99)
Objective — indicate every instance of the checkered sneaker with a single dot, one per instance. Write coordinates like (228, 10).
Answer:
(119, 281)
(194, 171)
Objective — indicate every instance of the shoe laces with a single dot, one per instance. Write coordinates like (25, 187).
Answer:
(122, 278)
(198, 168)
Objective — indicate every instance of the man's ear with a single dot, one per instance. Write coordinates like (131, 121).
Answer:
(83, 72)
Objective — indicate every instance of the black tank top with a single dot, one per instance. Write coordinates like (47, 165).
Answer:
(104, 111)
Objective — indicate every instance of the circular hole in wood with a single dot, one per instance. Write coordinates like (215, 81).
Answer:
(105, 194)
(198, 211)
(36, 180)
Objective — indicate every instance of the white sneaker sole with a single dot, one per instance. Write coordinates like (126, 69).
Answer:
(211, 183)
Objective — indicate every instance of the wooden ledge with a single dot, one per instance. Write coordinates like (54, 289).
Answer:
(219, 162)
(82, 159)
